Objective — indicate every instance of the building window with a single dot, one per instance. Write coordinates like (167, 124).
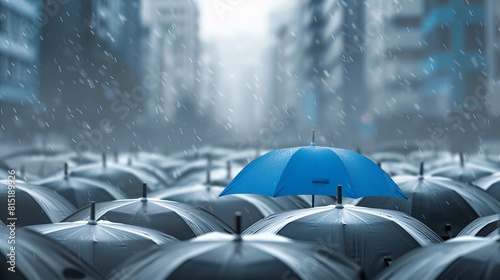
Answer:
(474, 37)
(406, 22)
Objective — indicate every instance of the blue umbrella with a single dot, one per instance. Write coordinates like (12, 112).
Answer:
(313, 170)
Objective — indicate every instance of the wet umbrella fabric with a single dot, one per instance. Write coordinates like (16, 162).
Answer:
(491, 184)
(103, 244)
(370, 237)
(39, 257)
(34, 204)
(252, 207)
(222, 256)
(444, 205)
(483, 226)
(313, 170)
(460, 258)
(81, 191)
(179, 220)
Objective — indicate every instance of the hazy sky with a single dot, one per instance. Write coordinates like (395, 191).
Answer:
(223, 18)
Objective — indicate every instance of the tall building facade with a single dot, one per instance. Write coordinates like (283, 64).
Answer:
(458, 68)
(322, 64)
(88, 71)
(455, 35)
(19, 68)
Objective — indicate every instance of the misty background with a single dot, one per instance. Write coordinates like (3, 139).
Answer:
(166, 75)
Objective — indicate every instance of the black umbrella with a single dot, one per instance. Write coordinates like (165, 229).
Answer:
(252, 207)
(126, 178)
(103, 244)
(39, 257)
(370, 237)
(81, 191)
(464, 171)
(35, 165)
(149, 168)
(444, 205)
(483, 226)
(460, 258)
(223, 256)
(179, 220)
(33, 204)
(491, 184)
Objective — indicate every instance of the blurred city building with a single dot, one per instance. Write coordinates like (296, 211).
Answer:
(493, 54)
(321, 62)
(19, 69)
(456, 81)
(173, 54)
(91, 62)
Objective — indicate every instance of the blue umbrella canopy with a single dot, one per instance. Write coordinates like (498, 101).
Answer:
(313, 170)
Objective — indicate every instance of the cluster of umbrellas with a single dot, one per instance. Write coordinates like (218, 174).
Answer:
(307, 212)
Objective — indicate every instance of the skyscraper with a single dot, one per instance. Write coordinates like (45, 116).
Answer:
(19, 68)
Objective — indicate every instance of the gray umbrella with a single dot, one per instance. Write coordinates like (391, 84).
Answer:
(81, 191)
(127, 179)
(370, 237)
(460, 258)
(223, 256)
(103, 244)
(444, 205)
(38, 257)
(33, 204)
(464, 171)
(491, 184)
(483, 226)
(177, 219)
(252, 207)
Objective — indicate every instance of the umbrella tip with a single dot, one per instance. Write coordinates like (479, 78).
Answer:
(65, 170)
(358, 150)
(313, 138)
(461, 159)
(237, 216)
(103, 159)
(129, 161)
(144, 192)
(421, 172)
(92, 220)
(339, 197)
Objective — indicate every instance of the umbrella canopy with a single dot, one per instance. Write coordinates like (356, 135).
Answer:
(444, 205)
(313, 170)
(39, 257)
(81, 191)
(482, 226)
(370, 237)
(465, 171)
(103, 244)
(491, 184)
(34, 204)
(126, 178)
(223, 256)
(459, 258)
(252, 207)
(179, 220)
(35, 162)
